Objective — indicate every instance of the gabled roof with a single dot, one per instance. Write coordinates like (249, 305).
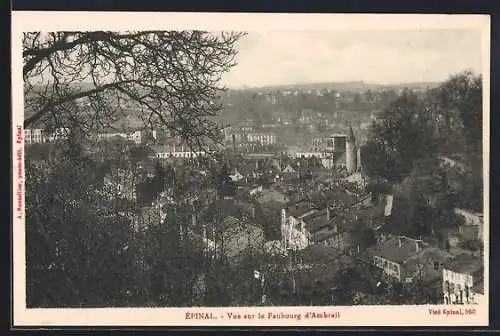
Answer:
(316, 221)
(289, 169)
(465, 263)
(391, 250)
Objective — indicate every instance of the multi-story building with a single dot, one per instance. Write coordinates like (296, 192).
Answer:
(34, 135)
(463, 280)
(262, 138)
(243, 135)
(407, 259)
(39, 135)
(180, 154)
(135, 137)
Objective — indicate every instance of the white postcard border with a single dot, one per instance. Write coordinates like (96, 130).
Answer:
(340, 316)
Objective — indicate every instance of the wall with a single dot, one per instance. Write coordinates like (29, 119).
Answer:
(389, 267)
(293, 232)
(336, 241)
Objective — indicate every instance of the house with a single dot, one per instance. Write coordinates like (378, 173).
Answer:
(227, 229)
(322, 264)
(329, 218)
(289, 170)
(473, 224)
(408, 259)
(236, 176)
(463, 281)
(293, 230)
(302, 224)
(35, 135)
(327, 232)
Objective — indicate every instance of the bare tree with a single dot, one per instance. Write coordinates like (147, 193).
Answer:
(168, 79)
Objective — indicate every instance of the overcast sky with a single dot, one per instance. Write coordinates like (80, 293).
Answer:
(382, 57)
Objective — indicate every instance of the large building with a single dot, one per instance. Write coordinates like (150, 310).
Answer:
(242, 136)
(137, 136)
(38, 135)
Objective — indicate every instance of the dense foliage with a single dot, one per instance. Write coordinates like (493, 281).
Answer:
(439, 132)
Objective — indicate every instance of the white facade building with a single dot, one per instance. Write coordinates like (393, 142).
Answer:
(462, 280)
(38, 135)
(135, 137)
(181, 154)
(245, 137)
(293, 232)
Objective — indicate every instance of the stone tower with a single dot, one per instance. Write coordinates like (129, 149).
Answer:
(351, 153)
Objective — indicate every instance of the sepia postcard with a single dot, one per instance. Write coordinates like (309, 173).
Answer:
(196, 169)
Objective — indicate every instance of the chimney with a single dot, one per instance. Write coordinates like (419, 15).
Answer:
(193, 220)
(283, 217)
(388, 205)
(204, 233)
(253, 211)
(358, 159)
(327, 213)
(417, 246)
(399, 242)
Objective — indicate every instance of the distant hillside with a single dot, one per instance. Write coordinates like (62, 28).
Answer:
(345, 86)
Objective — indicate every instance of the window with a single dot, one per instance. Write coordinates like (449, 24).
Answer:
(436, 265)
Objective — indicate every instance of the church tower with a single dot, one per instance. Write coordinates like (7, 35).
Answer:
(351, 153)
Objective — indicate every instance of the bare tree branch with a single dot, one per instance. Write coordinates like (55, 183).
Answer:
(169, 80)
